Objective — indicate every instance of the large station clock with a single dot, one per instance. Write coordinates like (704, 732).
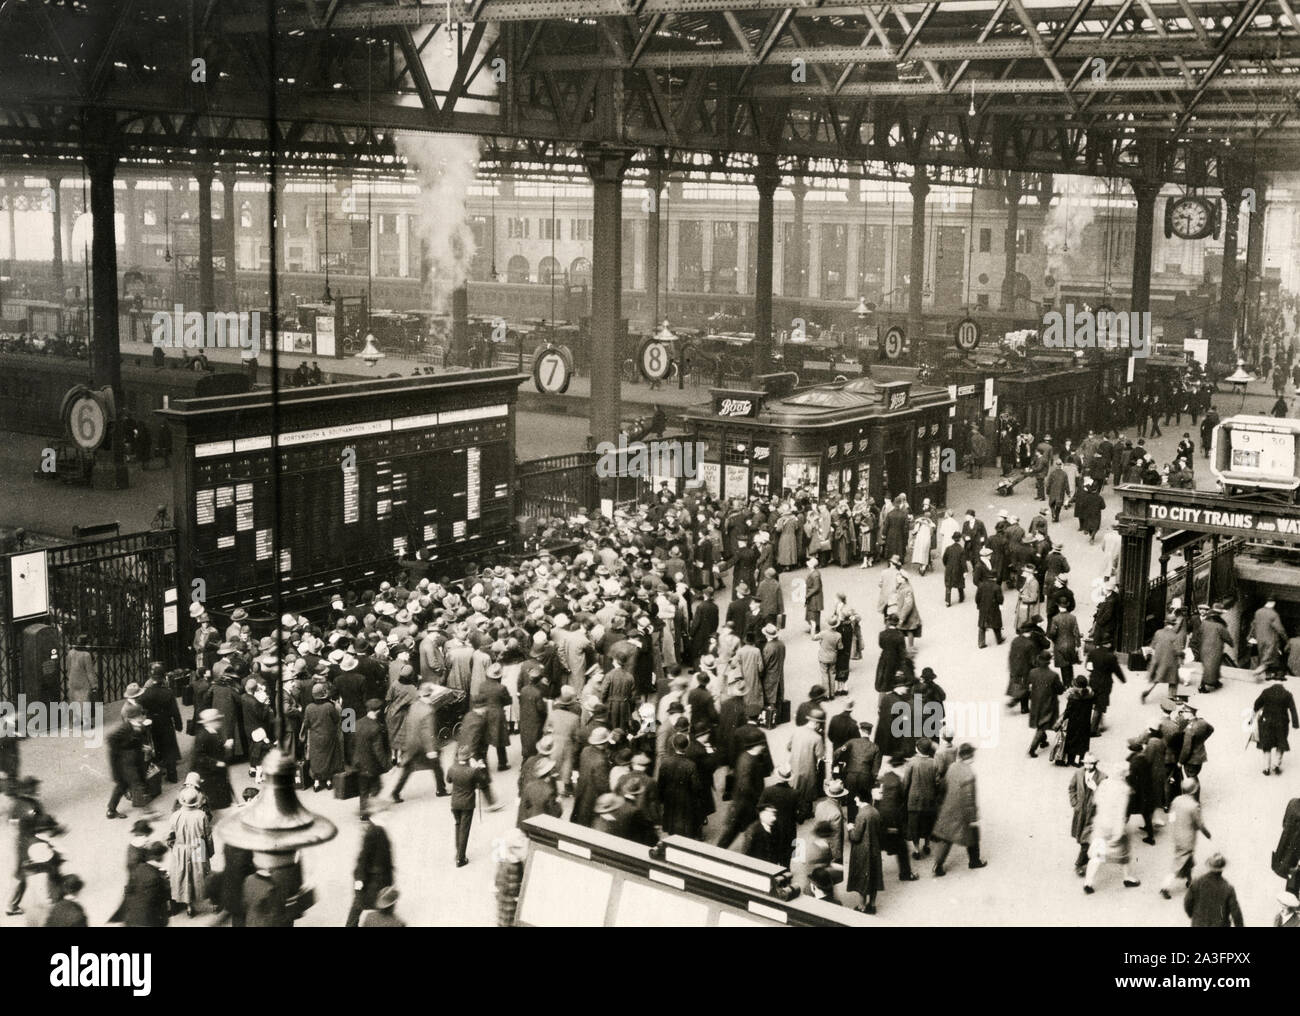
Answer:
(1190, 217)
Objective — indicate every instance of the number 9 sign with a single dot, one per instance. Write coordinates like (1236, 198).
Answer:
(654, 359)
(894, 343)
(552, 371)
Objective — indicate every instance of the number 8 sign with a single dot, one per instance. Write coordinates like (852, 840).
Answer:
(552, 371)
(655, 360)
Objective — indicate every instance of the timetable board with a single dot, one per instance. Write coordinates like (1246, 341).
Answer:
(356, 496)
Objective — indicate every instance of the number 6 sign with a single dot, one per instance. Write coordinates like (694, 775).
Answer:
(86, 417)
(552, 371)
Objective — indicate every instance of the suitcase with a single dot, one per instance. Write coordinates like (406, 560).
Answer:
(152, 787)
(1137, 661)
(347, 784)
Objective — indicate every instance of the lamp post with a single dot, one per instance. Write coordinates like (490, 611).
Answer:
(276, 827)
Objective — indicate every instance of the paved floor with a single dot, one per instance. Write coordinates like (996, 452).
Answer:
(1025, 813)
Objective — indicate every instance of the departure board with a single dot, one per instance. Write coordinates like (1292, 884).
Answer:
(355, 496)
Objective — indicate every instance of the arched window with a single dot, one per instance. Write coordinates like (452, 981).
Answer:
(149, 217)
(548, 269)
(517, 269)
(580, 272)
(245, 216)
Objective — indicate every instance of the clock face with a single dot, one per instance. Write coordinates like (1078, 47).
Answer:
(1190, 218)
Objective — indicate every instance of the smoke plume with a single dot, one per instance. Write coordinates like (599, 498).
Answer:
(445, 165)
(1067, 217)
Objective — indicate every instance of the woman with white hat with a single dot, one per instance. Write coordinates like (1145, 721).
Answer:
(189, 861)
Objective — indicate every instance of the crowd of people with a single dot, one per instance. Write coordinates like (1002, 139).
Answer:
(641, 672)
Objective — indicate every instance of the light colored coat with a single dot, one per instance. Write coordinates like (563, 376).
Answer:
(189, 862)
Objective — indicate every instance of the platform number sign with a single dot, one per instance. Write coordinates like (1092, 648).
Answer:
(87, 422)
(655, 360)
(968, 334)
(552, 371)
(894, 343)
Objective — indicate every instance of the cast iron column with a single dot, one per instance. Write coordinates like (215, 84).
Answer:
(228, 213)
(1143, 242)
(56, 211)
(207, 282)
(1011, 192)
(606, 165)
(796, 250)
(1255, 265)
(766, 179)
(1134, 576)
(1227, 324)
(653, 245)
(105, 360)
(920, 188)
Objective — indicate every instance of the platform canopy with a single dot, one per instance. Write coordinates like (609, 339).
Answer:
(1155, 89)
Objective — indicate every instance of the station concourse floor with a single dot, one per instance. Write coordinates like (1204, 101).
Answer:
(1025, 815)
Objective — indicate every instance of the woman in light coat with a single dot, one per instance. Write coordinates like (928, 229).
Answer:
(922, 539)
(909, 618)
(83, 678)
(191, 831)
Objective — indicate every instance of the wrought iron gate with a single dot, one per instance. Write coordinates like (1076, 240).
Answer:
(557, 486)
(113, 592)
(1213, 578)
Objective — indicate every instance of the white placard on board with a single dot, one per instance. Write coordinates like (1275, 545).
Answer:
(29, 589)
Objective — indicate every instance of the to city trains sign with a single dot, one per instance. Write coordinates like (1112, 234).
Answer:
(1215, 520)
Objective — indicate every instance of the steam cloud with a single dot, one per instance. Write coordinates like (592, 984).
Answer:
(445, 165)
(1067, 218)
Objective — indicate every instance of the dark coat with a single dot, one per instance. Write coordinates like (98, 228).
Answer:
(958, 810)
(813, 597)
(537, 797)
(1287, 853)
(620, 696)
(860, 759)
(593, 780)
(1104, 670)
(1044, 706)
(321, 727)
(731, 716)
(894, 709)
(474, 733)
(159, 703)
(126, 755)
(374, 867)
(498, 701)
(680, 793)
(704, 625)
(954, 566)
(759, 843)
(1275, 706)
(532, 718)
(866, 872)
(783, 798)
(207, 759)
(464, 782)
(225, 699)
(893, 653)
(988, 601)
(370, 754)
(265, 903)
(147, 903)
(1211, 902)
(896, 533)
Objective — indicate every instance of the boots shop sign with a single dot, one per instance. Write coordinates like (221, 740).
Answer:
(736, 404)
